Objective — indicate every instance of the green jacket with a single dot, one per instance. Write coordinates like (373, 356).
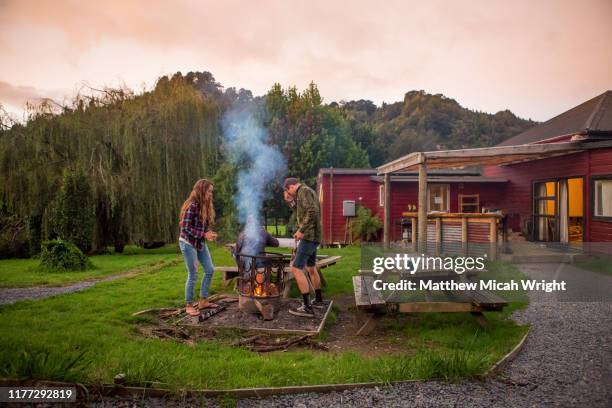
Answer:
(308, 213)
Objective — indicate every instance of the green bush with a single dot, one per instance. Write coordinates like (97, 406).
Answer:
(63, 256)
(365, 225)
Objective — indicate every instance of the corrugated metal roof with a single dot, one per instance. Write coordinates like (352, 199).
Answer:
(591, 117)
(328, 170)
(433, 172)
(443, 179)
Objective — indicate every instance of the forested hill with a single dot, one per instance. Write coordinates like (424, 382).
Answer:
(423, 122)
(124, 162)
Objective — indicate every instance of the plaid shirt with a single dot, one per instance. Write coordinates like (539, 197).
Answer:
(192, 228)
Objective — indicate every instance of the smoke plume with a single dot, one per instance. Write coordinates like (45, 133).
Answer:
(259, 163)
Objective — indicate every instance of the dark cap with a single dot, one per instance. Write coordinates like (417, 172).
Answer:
(289, 181)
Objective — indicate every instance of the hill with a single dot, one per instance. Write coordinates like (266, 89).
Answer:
(423, 122)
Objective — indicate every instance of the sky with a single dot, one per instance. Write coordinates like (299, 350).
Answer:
(536, 58)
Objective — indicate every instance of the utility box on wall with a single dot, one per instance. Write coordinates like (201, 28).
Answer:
(348, 208)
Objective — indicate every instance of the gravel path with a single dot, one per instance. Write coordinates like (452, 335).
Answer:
(13, 295)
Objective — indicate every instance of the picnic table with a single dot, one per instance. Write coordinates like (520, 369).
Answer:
(374, 304)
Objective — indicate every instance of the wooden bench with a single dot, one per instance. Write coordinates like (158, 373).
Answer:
(373, 305)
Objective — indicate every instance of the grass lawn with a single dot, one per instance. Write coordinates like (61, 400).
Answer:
(25, 272)
(281, 230)
(91, 336)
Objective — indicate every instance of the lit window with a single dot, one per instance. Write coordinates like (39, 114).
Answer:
(381, 195)
(603, 198)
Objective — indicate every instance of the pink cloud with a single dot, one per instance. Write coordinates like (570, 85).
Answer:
(536, 58)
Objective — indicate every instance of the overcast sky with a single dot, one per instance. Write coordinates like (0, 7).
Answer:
(536, 58)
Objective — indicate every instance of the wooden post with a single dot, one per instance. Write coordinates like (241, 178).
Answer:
(493, 238)
(422, 205)
(438, 235)
(330, 238)
(414, 234)
(387, 220)
(464, 235)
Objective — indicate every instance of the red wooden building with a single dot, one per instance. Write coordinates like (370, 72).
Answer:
(552, 182)
(449, 191)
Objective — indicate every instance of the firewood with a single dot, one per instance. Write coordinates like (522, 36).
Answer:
(248, 340)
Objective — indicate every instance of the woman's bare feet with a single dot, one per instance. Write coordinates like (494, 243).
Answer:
(191, 310)
(206, 304)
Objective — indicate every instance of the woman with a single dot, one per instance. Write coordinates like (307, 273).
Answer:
(197, 216)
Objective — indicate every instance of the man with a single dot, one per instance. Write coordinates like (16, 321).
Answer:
(308, 214)
(257, 246)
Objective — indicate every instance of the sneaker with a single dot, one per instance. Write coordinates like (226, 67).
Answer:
(302, 311)
(316, 303)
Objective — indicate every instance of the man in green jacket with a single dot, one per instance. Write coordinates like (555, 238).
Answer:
(308, 214)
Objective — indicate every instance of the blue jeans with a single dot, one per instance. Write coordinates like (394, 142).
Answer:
(192, 256)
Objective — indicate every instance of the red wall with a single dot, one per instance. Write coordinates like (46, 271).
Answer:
(600, 163)
(514, 197)
(354, 187)
(346, 187)
(517, 198)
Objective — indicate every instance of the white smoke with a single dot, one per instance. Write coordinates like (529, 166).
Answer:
(246, 146)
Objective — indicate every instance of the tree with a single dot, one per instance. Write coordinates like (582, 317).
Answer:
(76, 210)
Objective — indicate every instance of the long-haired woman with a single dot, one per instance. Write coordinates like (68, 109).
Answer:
(196, 218)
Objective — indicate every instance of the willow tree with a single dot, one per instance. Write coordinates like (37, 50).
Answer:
(141, 155)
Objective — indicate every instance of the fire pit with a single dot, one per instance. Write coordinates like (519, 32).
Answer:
(260, 283)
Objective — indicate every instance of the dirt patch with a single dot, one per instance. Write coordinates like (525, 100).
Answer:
(232, 317)
(340, 336)
(337, 336)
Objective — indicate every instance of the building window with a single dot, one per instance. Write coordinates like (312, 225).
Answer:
(381, 195)
(602, 197)
(438, 197)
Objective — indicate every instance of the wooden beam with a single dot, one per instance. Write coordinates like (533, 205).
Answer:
(422, 219)
(504, 150)
(434, 307)
(498, 155)
(387, 220)
(409, 160)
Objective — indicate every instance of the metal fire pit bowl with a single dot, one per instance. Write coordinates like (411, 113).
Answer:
(260, 288)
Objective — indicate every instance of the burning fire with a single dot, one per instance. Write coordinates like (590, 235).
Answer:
(260, 278)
